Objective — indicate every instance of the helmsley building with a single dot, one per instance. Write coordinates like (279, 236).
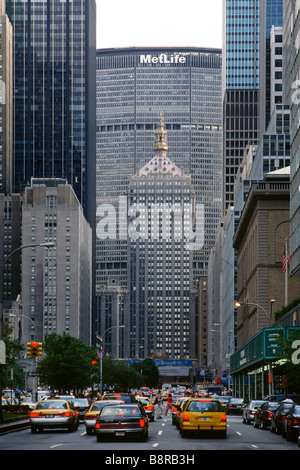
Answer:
(143, 93)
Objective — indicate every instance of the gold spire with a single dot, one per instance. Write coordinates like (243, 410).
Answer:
(161, 137)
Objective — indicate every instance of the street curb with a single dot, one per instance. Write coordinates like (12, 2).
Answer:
(15, 426)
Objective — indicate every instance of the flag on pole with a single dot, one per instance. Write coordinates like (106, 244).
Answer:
(285, 260)
(99, 352)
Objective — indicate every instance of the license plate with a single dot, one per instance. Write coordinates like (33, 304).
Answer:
(49, 416)
(120, 433)
(204, 419)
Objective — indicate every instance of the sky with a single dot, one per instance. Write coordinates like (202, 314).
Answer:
(161, 23)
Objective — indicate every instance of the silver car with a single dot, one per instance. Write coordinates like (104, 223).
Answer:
(249, 410)
(54, 413)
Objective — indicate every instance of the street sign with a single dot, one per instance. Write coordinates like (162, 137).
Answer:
(2, 353)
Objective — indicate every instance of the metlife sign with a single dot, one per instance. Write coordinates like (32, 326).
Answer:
(162, 59)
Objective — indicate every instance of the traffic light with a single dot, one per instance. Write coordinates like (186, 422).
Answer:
(34, 349)
(28, 349)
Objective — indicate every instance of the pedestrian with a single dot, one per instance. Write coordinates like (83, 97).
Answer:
(159, 401)
(169, 403)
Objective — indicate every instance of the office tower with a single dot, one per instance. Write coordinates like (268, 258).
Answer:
(54, 93)
(162, 206)
(56, 281)
(291, 81)
(6, 90)
(246, 79)
(135, 86)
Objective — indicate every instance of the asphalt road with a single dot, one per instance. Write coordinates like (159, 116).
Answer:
(163, 437)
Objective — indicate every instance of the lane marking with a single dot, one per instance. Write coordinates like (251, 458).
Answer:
(57, 445)
(155, 445)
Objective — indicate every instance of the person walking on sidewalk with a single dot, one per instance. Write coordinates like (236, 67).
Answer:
(169, 403)
(159, 401)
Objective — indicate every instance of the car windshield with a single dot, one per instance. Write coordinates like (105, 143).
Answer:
(120, 411)
(200, 406)
(297, 411)
(236, 400)
(273, 406)
(80, 402)
(257, 404)
(49, 405)
(144, 401)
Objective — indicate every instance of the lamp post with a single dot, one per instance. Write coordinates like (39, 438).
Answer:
(101, 339)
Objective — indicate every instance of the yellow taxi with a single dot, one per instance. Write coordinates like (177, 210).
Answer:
(91, 415)
(203, 414)
(147, 405)
(54, 413)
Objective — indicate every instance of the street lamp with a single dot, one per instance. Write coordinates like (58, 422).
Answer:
(101, 339)
(239, 304)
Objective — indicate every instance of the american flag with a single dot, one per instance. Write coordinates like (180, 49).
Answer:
(99, 352)
(285, 260)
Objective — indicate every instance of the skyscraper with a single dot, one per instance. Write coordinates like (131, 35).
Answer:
(54, 93)
(6, 90)
(246, 79)
(291, 82)
(134, 87)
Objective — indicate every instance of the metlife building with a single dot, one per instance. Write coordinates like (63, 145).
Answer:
(135, 87)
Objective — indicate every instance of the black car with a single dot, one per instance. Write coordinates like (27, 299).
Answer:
(123, 420)
(263, 415)
(291, 423)
(235, 406)
(126, 397)
(82, 406)
(278, 417)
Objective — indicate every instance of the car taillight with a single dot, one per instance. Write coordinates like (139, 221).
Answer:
(149, 407)
(97, 425)
(142, 423)
(269, 414)
(34, 415)
(229, 406)
(223, 418)
(67, 414)
(294, 422)
(185, 418)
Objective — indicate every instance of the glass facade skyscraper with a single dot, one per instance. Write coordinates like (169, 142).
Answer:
(54, 93)
(246, 79)
(136, 86)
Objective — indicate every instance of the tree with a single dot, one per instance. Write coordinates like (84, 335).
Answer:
(67, 364)
(14, 352)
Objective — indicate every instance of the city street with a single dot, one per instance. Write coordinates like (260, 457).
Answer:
(163, 436)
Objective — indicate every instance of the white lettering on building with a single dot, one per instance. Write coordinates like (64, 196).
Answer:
(162, 59)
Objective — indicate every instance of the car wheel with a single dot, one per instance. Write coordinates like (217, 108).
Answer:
(98, 437)
(89, 432)
(33, 429)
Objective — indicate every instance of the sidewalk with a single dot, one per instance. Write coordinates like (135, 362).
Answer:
(14, 425)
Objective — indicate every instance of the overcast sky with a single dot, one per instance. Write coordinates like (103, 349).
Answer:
(133, 23)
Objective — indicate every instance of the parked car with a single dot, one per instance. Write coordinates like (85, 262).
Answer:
(263, 415)
(235, 405)
(278, 417)
(125, 420)
(82, 406)
(202, 414)
(95, 408)
(291, 423)
(249, 410)
(54, 413)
